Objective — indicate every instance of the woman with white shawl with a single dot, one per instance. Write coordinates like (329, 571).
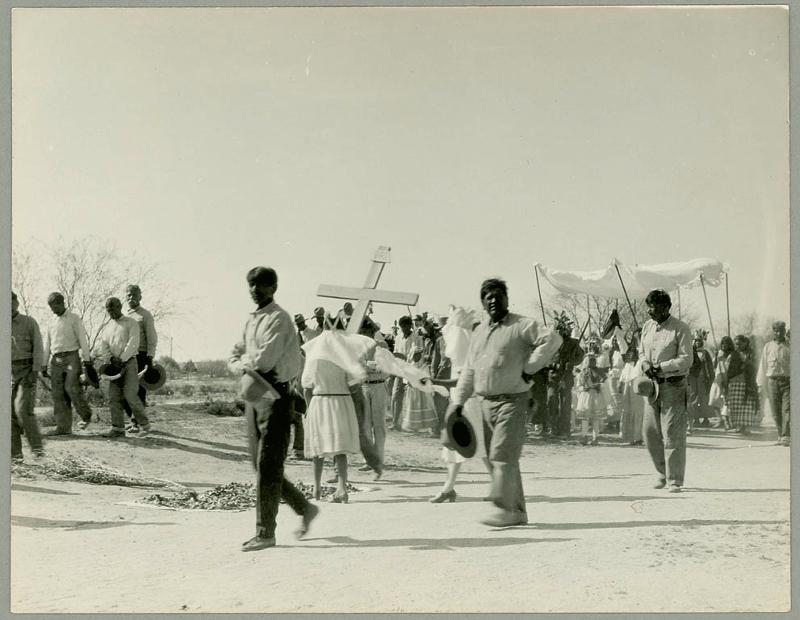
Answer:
(457, 334)
(333, 372)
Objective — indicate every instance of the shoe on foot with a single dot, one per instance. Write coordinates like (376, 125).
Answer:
(364, 468)
(660, 483)
(506, 518)
(338, 498)
(378, 475)
(310, 514)
(83, 424)
(132, 426)
(38, 454)
(257, 543)
(139, 432)
(674, 488)
(333, 480)
(446, 496)
(113, 432)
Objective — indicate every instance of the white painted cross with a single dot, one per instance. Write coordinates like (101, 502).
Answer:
(368, 293)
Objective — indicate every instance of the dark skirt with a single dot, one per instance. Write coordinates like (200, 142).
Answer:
(742, 407)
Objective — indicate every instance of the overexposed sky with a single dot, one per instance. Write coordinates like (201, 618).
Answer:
(473, 141)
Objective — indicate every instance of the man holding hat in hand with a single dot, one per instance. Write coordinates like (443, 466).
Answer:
(665, 351)
(504, 353)
(118, 345)
(148, 339)
(269, 348)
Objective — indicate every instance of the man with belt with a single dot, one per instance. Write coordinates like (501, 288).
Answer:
(773, 371)
(665, 354)
(118, 345)
(64, 338)
(26, 362)
(269, 346)
(505, 351)
(372, 428)
(148, 339)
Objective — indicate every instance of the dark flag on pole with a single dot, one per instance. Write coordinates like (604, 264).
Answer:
(612, 322)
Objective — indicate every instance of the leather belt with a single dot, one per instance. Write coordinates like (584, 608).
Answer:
(374, 382)
(670, 379)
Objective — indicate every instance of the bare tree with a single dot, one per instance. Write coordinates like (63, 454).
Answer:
(87, 271)
(26, 276)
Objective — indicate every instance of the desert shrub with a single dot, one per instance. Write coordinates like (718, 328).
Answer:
(187, 389)
(164, 390)
(213, 368)
(223, 408)
(189, 367)
(168, 363)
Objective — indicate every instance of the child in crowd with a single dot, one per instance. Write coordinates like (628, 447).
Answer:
(591, 405)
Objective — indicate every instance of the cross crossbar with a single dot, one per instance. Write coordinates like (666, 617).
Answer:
(368, 293)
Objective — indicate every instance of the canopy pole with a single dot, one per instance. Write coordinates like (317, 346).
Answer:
(588, 312)
(539, 289)
(680, 304)
(633, 313)
(708, 310)
(727, 305)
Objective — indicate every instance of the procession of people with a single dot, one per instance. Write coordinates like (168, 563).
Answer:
(482, 384)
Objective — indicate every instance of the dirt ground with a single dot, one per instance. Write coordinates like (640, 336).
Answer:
(601, 539)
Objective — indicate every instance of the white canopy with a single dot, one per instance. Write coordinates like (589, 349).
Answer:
(639, 280)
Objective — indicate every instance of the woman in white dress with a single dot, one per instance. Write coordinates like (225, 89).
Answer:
(331, 426)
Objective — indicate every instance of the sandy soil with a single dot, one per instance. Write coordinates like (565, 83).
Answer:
(601, 539)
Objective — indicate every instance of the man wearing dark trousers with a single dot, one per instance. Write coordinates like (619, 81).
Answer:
(269, 346)
(665, 353)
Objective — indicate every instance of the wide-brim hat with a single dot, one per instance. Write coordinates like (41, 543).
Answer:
(153, 377)
(644, 386)
(459, 435)
(253, 387)
(110, 371)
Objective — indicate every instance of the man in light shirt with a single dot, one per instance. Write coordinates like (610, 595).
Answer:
(118, 345)
(269, 347)
(65, 345)
(26, 362)
(148, 340)
(505, 351)
(666, 355)
(774, 373)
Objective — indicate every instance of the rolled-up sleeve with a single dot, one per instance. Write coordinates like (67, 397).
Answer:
(546, 347)
(150, 332)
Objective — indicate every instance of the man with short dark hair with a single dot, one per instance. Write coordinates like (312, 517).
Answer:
(26, 362)
(269, 347)
(118, 345)
(775, 375)
(148, 340)
(665, 353)
(65, 344)
(505, 351)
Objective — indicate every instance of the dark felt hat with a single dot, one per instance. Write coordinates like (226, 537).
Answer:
(153, 377)
(459, 435)
(90, 372)
(644, 386)
(111, 371)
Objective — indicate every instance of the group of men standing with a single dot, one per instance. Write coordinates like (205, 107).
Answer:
(126, 346)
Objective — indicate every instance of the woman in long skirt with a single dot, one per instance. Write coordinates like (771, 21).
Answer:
(741, 395)
(419, 410)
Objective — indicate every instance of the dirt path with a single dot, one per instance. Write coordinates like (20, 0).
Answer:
(600, 539)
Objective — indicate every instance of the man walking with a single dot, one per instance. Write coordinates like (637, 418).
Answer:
(269, 347)
(118, 345)
(65, 337)
(148, 339)
(405, 344)
(505, 351)
(773, 370)
(26, 362)
(665, 353)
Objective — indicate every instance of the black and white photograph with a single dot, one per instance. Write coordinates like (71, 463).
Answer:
(398, 309)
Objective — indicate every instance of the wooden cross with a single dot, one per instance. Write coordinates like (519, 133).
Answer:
(368, 293)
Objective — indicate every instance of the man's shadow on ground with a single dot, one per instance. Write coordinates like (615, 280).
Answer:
(430, 544)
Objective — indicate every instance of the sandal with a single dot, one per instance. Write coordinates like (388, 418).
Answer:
(338, 498)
